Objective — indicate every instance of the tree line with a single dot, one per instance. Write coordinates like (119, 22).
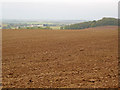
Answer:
(83, 25)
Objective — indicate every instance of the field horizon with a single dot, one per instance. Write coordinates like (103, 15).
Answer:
(86, 58)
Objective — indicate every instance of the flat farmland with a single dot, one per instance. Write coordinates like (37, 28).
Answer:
(85, 58)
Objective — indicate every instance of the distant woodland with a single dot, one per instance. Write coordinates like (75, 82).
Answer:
(83, 25)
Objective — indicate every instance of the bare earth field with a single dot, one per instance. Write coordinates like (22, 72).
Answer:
(60, 58)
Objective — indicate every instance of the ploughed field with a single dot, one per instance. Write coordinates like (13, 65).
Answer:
(60, 58)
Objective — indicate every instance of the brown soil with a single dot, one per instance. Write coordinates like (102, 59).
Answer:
(60, 58)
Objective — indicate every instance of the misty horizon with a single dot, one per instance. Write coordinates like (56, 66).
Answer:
(53, 19)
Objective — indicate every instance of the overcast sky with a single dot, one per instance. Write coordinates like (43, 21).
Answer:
(59, 9)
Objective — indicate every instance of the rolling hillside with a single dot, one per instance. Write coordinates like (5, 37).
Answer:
(102, 22)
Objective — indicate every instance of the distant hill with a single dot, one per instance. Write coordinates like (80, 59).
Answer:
(102, 22)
